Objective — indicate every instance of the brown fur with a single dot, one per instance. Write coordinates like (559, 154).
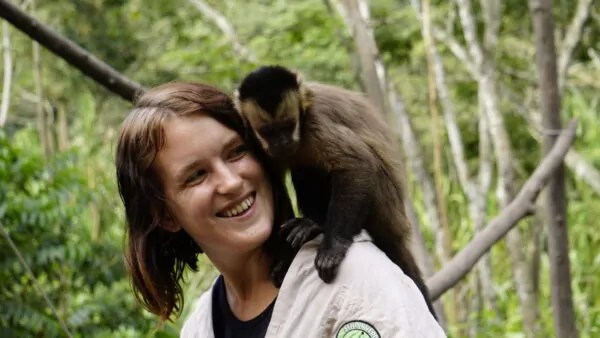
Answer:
(346, 145)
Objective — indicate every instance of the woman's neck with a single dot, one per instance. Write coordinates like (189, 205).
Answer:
(249, 288)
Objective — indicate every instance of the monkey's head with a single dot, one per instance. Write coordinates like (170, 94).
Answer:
(273, 100)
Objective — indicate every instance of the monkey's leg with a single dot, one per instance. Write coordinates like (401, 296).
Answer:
(347, 212)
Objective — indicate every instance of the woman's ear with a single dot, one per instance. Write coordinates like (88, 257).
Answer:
(169, 224)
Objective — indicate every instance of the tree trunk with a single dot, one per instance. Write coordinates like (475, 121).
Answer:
(5, 103)
(356, 15)
(63, 128)
(446, 241)
(556, 204)
(42, 114)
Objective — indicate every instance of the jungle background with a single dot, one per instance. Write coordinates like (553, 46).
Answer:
(468, 149)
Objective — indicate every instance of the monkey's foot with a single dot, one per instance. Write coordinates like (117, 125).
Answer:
(329, 258)
(299, 231)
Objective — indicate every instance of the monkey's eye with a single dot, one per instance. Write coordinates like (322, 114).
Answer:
(267, 129)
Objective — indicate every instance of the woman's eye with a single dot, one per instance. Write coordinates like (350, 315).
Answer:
(196, 176)
(238, 152)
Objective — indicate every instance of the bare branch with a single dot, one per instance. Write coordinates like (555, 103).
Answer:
(520, 207)
(79, 58)
(467, 21)
(356, 16)
(445, 37)
(226, 28)
(454, 134)
(491, 17)
(485, 153)
(457, 49)
(584, 169)
(6, 84)
(572, 39)
(576, 162)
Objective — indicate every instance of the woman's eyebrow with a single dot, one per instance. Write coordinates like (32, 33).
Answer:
(231, 141)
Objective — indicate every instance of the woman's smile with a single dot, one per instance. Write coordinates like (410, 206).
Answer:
(240, 210)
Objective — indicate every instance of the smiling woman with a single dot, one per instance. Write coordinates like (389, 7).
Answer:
(192, 180)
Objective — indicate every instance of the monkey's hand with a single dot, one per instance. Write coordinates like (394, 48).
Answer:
(299, 231)
(295, 232)
(329, 257)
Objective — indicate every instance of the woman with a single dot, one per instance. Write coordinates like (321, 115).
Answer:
(192, 182)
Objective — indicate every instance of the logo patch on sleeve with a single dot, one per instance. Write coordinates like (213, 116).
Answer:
(357, 329)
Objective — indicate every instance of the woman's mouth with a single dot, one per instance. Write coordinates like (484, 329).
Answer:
(241, 209)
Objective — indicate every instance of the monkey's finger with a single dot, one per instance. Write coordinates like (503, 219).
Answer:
(304, 232)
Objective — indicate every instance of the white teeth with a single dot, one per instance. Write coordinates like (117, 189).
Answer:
(240, 208)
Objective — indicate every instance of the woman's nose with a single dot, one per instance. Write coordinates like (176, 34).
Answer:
(229, 181)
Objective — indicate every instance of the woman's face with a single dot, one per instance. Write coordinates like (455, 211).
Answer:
(215, 189)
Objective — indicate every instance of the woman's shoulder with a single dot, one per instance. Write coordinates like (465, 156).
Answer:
(364, 264)
(200, 318)
(369, 291)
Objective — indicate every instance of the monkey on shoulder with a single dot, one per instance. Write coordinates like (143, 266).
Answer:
(343, 160)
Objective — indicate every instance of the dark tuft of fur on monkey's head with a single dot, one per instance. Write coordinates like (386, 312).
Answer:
(267, 85)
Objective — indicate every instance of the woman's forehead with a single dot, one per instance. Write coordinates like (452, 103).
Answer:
(190, 140)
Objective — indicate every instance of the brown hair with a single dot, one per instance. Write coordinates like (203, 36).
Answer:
(156, 258)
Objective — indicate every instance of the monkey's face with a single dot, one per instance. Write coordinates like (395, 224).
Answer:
(279, 132)
(279, 138)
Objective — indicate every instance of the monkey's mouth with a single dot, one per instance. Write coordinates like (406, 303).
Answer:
(240, 209)
(284, 152)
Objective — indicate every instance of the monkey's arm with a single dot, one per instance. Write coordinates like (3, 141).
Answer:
(352, 168)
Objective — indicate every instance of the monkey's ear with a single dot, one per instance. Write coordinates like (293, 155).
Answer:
(238, 108)
(237, 104)
(305, 93)
(236, 101)
(299, 77)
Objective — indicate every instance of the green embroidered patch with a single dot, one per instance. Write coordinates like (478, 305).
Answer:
(357, 329)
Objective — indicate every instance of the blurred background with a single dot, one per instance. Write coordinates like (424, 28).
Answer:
(468, 148)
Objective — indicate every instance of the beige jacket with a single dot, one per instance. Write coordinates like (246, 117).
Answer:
(370, 295)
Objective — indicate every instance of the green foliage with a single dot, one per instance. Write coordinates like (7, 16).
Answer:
(64, 213)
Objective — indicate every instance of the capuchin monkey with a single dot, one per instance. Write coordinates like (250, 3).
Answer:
(343, 161)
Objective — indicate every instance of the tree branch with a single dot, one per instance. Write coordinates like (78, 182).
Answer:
(226, 28)
(491, 17)
(520, 207)
(467, 21)
(79, 58)
(5, 103)
(571, 40)
(456, 48)
(576, 162)
(555, 194)
(454, 134)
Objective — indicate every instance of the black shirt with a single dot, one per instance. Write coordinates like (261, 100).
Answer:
(226, 325)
